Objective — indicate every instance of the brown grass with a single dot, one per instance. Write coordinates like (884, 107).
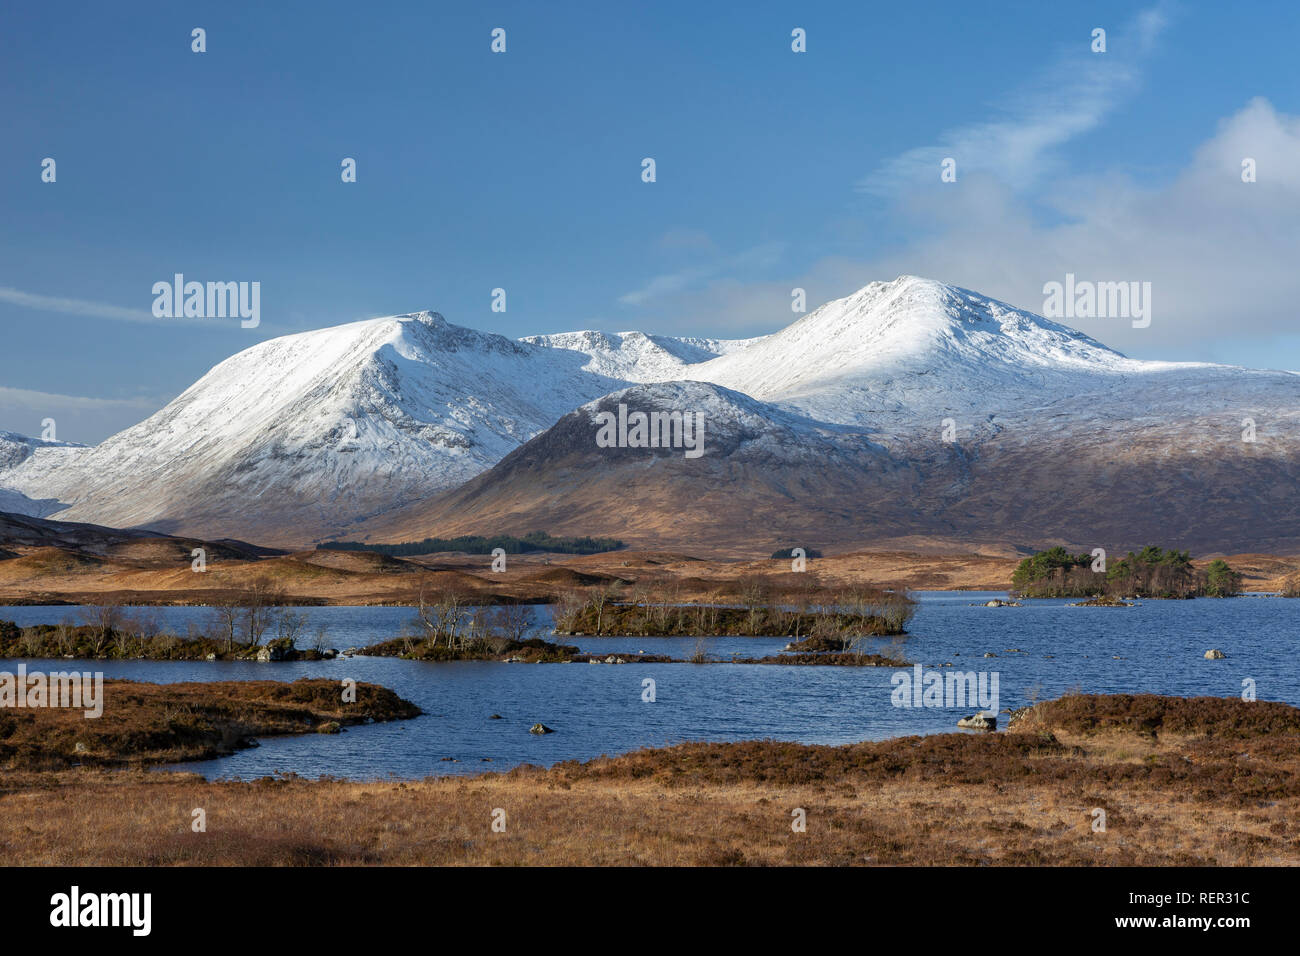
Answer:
(141, 574)
(1014, 799)
(163, 723)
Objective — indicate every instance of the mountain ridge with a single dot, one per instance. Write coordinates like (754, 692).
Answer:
(348, 431)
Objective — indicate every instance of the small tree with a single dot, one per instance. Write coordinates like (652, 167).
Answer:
(1221, 580)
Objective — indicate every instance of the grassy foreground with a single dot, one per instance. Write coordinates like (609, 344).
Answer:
(1205, 781)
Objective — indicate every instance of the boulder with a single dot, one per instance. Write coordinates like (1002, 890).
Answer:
(540, 729)
(330, 727)
(279, 649)
(980, 721)
(1214, 654)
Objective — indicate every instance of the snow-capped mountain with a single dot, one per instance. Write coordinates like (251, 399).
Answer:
(317, 430)
(901, 356)
(962, 406)
(16, 449)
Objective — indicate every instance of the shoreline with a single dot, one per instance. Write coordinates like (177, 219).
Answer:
(145, 724)
(1164, 773)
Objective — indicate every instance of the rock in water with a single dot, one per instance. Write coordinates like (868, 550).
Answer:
(540, 729)
(1214, 654)
(980, 721)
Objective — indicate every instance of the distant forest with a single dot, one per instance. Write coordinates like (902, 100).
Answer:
(477, 544)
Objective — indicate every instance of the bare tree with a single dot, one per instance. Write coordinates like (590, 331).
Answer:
(105, 618)
(512, 621)
(31, 641)
(223, 620)
(66, 636)
(259, 604)
(442, 614)
(291, 625)
(599, 600)
(318, 642)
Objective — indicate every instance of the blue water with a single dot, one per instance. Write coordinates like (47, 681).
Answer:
(1156, 647)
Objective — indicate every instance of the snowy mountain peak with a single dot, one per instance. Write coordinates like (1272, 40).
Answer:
(909, 344)
(916, 314)
(426, 317)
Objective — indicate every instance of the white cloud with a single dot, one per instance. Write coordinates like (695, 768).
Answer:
(1221, 254)
(1072, 97)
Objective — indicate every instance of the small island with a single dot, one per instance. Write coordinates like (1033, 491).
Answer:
(1152, 573)
(836, 622)
(143, 724)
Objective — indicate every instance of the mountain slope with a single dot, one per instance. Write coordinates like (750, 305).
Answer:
(908, 408)
(768, 479)
(309, 432)
(758, 464)
(1051, 437)
(16, 449)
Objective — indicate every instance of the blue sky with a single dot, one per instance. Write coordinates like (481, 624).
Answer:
(522, 171)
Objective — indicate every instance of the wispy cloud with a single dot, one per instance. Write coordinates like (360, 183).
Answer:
(764, 256)
(79, 418)
(102, 310)
(1068, 99)
(97, 310)
(53, 400)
